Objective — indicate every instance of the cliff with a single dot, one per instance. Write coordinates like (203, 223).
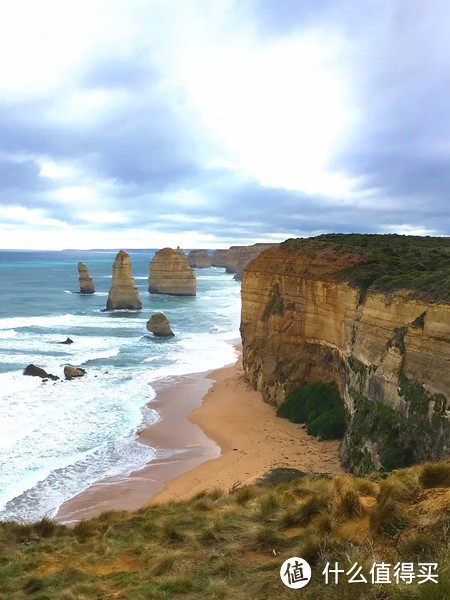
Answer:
(171, 274)
(86, 283)
(219, 258)
(325, 310)
(123, 293)
(199, 259)
(236, 258)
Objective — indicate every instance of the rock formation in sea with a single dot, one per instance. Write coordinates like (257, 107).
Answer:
(34, 371)
(239, 257)
(123, 293)
(72, 372)
(86, 283)
(219, 258)
(66, 341)
(159, 325)
(171, 274)
(199, 259)
(357, 312)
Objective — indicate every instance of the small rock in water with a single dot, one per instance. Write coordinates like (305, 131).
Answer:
(159, 325)
(71, 372)
(35, 371)
(66, 341)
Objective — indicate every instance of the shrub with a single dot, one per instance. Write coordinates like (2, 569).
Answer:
(320, 406)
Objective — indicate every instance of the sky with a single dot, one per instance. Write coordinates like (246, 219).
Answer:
(207, 123)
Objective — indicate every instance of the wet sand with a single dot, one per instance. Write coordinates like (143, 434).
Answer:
(224, 434)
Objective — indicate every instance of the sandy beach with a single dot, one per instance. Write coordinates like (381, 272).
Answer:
(252, 439)
(224, 434)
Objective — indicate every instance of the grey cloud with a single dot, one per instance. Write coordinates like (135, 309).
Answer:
(398, 58)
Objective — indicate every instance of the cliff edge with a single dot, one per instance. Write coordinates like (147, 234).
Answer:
(370, 314)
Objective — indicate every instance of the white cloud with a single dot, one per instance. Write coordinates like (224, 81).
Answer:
(29, 216)
(103, 217)
(405, 229)
(277, 110)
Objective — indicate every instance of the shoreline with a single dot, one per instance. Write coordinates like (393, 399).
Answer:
(253, 440)
(214, 431)
(179, 445)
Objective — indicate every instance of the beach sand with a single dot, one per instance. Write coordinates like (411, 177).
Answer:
(252, 439)
(224, 434)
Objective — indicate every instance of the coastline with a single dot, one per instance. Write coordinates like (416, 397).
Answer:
(224, 434)
(253, 440)
(179, 445)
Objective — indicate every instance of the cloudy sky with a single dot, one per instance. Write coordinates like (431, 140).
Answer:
(144, 123)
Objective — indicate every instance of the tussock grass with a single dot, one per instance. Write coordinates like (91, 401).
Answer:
(435, 475)
(349, 505)
(245, 493)
(222, 546)
(388, 518)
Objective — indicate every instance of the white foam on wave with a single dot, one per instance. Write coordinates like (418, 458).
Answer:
(68, 320)
(197, 354)
(89, 426)
(7, 334)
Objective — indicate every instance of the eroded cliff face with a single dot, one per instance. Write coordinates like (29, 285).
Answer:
(238, 257)
(389, 355)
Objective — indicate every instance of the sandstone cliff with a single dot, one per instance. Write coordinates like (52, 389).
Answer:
(123, 293)
(388, 352)
(219, 258)
(171, 274)
(238, 257)
(199, 259)
(86, 283)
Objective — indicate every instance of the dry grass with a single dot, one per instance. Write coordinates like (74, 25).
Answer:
(223, 546)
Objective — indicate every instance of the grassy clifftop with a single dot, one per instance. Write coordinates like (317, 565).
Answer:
(388, 262)
(220, 546)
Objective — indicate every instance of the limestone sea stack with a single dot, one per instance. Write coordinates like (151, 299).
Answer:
(199, 259)
(219, 258)
(159, 325)
(86, 283)
(123, 293)
(170, 274)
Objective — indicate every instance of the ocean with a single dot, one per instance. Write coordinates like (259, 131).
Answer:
(57, 438)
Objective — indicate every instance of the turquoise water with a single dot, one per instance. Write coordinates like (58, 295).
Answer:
(57, 438)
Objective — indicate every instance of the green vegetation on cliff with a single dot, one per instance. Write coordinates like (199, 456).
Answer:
(388, 262)
(319, 405)
(231, 546)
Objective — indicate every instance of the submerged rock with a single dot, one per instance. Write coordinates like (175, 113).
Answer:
(123, 293)
(66, 341)
(35, 371)
(71, 372)
(86, 283)
(199, 259)
(171, 274)
(159, 325)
